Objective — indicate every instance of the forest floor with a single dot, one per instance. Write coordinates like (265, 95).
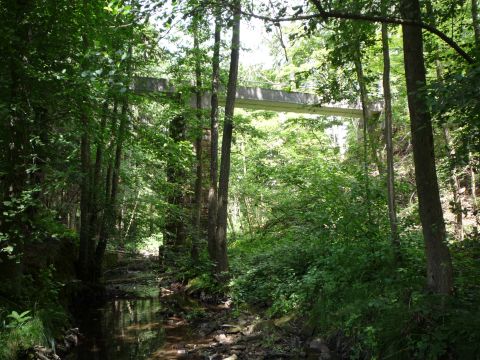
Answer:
(152, 315)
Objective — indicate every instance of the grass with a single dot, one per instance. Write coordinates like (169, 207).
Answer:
(21, 337)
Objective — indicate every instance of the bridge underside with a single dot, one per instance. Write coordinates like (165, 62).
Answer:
(253, 98)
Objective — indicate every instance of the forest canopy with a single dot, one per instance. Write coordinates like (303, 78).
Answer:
(308, 160)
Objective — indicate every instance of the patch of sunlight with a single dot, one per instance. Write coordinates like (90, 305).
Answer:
(150, 245)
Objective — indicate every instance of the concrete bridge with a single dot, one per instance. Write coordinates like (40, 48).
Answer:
(254, 98)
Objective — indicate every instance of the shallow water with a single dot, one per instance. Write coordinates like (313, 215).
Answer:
(145, 325)
(122, 330)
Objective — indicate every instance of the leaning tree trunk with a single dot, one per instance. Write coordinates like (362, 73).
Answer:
(439, 264)
(212, 193)
(221, 233)
(392, 208)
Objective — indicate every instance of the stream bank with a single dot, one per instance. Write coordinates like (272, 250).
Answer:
(150, 315)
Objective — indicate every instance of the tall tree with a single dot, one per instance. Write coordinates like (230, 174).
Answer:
(96, 201)
(476, 23)
(212, 193)
(439, 264)
(17, 132)
(472, 162)
(365, 120)
(85, 188)
(197, 209)
(473, 189)
(369, 121)
(112, 206)
(175, 232)
(221, 231)
(387, 96)
(454, 179)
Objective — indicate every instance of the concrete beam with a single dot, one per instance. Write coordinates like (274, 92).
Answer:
(255, 98)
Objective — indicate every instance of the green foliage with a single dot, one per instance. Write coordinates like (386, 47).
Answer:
(50, 307)
(205, 282)
(16, 319)
(308, 232)
(315, 254)
(20, 332)
(347, 287)
(45, 320)
(353, 286)
(454, 103)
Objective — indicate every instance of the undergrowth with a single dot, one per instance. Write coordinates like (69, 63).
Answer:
(325, 265)
(36, 318)
(17, 335)
(357, 289)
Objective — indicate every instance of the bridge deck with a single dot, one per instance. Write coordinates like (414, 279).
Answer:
(255, 98)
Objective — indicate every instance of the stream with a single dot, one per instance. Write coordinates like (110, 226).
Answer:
(148, 315)
(137, 321)
(133, 329)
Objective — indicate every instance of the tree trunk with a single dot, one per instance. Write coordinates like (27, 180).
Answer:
(365, 117)
(454, 181)
(369, 122)
(15, 145)
(471, 159)
(476, 23)
(174, 234)
(392, 208)
(212, 193)
(132, 216)
(84, 198)
(106, 219)
(473, 190)
(439, 264)
(96, 187)
(221, 233)
(197, 209)
(85, 187)
(111, 205)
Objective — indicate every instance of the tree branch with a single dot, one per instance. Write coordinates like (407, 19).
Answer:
(371, 18)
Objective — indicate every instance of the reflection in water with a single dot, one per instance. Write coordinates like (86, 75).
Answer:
(122, 330)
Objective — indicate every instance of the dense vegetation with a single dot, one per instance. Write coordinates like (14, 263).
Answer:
(365, 227)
